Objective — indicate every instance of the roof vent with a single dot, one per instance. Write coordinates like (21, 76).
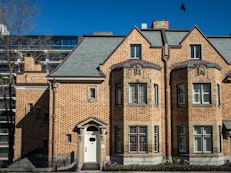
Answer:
(102, 33)
(144, 26)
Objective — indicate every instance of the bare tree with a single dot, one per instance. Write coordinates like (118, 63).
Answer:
(16, 20)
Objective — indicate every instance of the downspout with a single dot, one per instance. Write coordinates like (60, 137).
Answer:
(54, 86)
(165, 60)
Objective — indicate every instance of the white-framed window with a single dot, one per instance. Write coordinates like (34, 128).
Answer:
(138, 139)
(195, 50)
(156, 139)
(156, 94)
(92, 93)
(201, 93)
(118, 94)
(203, 139)
(220, 138)
(30, 107)
(218, 95)
(137, 93)
(181, 139)
(68, 138)
(135, 51)
(118, 139)
(180, 94)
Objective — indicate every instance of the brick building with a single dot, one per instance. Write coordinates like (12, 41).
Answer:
(150, 95)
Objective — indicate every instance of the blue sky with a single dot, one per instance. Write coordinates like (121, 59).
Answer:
(78, 17)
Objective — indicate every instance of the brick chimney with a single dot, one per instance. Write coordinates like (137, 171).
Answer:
(30, 64)
(160, 24)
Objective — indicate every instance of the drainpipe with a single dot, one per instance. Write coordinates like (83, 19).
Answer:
(165, 60)
(166, 105)
(54, 86)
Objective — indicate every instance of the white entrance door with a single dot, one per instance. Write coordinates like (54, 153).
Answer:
(91, 146)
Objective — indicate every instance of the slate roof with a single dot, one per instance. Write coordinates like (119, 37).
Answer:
(175, 37)
(92, 51)
(154, 37)
(223, 46)
(227, 124)
(85, 59)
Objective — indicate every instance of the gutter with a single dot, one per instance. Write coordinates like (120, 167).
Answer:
(76, 78)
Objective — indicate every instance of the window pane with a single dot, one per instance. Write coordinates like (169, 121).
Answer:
(142, 95)
(142, 143)
(132, 51)
(156, 94)
(4, 150)
(142, 130)
(181, 94)
(192, 52)
(4, 138)
(207, 130)
(133, 143)
(198, 51)
(182, 143)
(197, 130)
(138, 51)
(118, 94)
(197, 144)
(132, 93)
(156, 138)
(207, 144)
(133, 130)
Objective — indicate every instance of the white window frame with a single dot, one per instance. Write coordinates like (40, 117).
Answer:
(181, 139)
(156, 139)
(220, 138)
(135, 51)
(138, 136)
(180, 94)
(156, 94)
(194, 54)
(200, 95)
(68, 138)
(30, 107)
(136, 94)
(218, 95)
(202, 138)
(118, 94)
(92, 93)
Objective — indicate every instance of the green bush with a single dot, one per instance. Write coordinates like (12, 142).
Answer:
(166, 166)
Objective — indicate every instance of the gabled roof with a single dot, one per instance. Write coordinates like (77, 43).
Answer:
(85, 59)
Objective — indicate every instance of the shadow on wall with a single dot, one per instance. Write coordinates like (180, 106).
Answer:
(35, 127)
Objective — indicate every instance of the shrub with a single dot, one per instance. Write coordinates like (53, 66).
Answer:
(175, 165)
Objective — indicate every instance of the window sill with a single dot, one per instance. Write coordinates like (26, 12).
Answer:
(91, 100)
(181, 106)
(137, 105)
(202, 105)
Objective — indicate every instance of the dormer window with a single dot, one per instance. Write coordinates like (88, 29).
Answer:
(135, 51)
(195, 51)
